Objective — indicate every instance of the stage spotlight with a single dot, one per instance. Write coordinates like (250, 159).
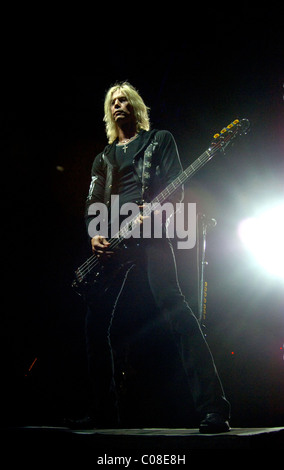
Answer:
(263, 236)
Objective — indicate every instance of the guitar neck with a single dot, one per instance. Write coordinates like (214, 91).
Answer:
(183, 177)
(220, 143)
(172, 187)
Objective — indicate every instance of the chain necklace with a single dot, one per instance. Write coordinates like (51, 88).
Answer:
(127, 141)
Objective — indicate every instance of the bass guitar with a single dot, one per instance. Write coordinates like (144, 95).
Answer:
(96, 275)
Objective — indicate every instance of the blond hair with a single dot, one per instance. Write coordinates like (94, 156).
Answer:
(141, 111)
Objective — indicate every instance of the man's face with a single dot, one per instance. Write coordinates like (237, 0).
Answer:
(121, 109)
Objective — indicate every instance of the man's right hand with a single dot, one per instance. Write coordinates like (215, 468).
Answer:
(100, 246)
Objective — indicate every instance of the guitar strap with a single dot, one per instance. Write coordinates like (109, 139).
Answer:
(148, 167)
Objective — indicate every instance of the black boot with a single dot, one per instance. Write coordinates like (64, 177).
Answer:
(213, 423)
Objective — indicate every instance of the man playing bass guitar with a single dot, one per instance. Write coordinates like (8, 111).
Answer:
(136, 164)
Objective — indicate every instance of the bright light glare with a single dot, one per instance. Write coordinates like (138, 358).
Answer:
(264, 237)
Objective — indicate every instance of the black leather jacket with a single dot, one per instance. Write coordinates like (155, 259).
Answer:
(155, 165)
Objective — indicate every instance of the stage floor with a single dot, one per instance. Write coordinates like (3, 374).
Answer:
(165, 441)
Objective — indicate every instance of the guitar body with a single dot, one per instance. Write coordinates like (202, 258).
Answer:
(97, 281)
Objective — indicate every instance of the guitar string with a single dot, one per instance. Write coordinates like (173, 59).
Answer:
(93, 260)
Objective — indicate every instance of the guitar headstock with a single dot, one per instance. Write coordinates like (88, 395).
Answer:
(227, 134)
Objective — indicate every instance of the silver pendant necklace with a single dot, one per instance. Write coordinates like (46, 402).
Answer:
(125, 142)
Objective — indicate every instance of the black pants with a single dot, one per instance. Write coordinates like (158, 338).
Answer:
(157, 258)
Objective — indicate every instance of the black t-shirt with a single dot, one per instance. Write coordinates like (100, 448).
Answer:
(127, 187)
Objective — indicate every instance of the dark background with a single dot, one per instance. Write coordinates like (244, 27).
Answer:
(52, 128)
